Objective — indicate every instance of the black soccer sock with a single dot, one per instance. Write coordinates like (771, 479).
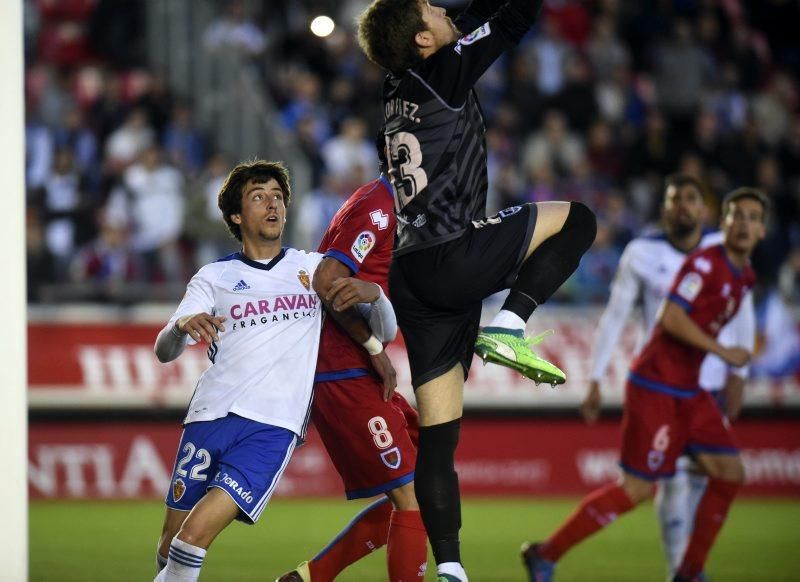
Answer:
(436, 485)
(552, 262)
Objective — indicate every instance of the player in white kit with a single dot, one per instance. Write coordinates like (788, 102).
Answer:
(262, 320)
(646, 271)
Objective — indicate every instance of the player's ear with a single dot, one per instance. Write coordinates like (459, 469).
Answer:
(424, 39)
(236, 218)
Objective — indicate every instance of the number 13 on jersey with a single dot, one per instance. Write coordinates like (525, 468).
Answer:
(405, 163)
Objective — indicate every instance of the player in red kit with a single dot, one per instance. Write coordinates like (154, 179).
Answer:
(369, 434)
(666, 411)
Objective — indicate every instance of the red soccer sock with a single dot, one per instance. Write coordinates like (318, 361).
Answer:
(407, 548)
(710, 517)
(368, 531)
(596, 511)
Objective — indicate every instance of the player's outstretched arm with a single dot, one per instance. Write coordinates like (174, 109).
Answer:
(624, 291)
(734, 396)
(173, 338)
(590, 407)
(373, 305)
(343, 310)
(453, 71)
(678, 324)
(328, 272)
(381, 318)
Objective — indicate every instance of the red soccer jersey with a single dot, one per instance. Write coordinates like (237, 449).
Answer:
(710, 289)
(361, 236)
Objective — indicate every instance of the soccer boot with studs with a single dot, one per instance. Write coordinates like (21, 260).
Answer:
(510, 348)
(299, 574)
(539, 569)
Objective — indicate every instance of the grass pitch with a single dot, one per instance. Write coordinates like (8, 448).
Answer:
(110, 541)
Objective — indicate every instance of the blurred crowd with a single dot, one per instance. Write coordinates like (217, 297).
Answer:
(598, 103)
(121, 182)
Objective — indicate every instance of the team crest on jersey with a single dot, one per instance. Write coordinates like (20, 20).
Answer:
(690, 286)
(380, 219)
(178, 489)
(481, 32)
(305, 280)
(655, 460)
(363, 245)
(391, 458)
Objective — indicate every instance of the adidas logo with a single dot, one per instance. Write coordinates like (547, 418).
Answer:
(241, 286)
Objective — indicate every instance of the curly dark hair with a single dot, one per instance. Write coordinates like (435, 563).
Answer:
(229, 198)
(386, 31)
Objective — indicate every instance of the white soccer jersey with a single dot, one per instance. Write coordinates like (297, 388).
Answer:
(263, 364)
(646, 270)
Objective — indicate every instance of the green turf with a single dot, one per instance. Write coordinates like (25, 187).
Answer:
(116, 542)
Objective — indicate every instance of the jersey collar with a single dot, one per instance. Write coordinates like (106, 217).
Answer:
(388, 184)
(255, 264)
(734, 269)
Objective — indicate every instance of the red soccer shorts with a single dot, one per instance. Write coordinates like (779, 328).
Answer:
(657, 428)
(372, 443)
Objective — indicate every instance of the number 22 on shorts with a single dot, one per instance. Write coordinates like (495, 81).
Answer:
(197, 471)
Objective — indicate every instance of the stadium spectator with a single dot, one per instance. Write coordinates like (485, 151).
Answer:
(577, 99)
(709, 86)
(55, 97)
(183, 143)
(63, 201)
(104, 268)
(524, 93)
(594, 275)
(306, 102)
(234, 31)
(555, 145)
(350, 150)
(605, 50)
(204, 226)
(39, 149)
(771, 108)
(151, 200)
(39, 262)
(108, 111)
(126, 143)
(780, 324)
(551, 52)
(604, 155)
(74, 134)
(682, 69)
(151, 93)
(652, 151)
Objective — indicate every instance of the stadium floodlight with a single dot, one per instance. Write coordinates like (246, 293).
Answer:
(322, 26)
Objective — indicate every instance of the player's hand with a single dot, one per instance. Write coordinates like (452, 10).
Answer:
(347, 291)
(732, 396)
(201, 327)
(737, 357)
(383, 366)
(590, 408)
(733, 407)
